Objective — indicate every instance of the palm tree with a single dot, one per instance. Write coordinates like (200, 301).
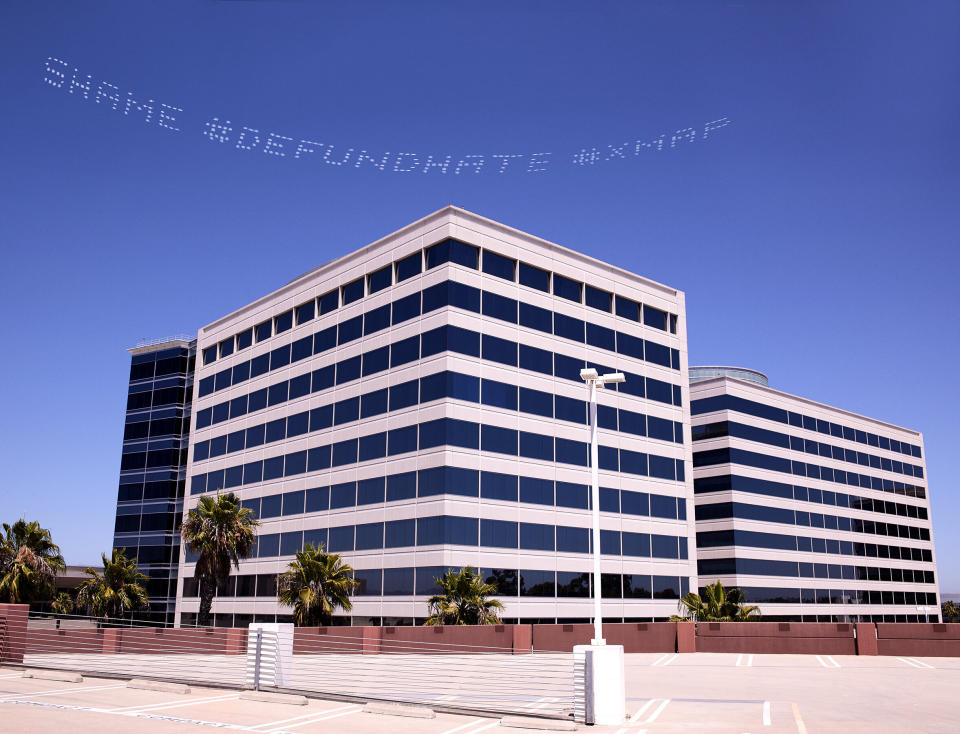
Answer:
(119, 589)
(62, 604)
(29, 562)
(315, 585)
(950, 611)
(463, 600)
(220, 532)
(717, 605)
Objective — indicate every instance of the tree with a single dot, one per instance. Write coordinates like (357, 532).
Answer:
(220, 532)
(118, 590)
(463, 600)
(29, 563)
(950, 611)
(717, 605)
(316, 584)
(62, 604)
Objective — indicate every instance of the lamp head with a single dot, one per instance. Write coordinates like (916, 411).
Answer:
(589, 374)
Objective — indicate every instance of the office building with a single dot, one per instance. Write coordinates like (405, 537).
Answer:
(417, 405)
(153, 466)
(818, 514)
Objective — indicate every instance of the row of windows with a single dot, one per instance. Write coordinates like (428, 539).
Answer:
(176, 361)
(421, 581)
(156, 427)
(444, 384)
(432, 434)
(458, 253)
(132, 460)
(448, 293)
(181, 395)
(467, 531)
(782, 595)
(723, 510)
(146, 523)
(761, 410)
(793, 569)
(435, 341)
(727, 482)
(801, 469)
(796, 443)
(152, 490)
(454, 480)
(752, 539)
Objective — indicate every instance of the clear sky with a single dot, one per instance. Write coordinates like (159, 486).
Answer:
(815, 235)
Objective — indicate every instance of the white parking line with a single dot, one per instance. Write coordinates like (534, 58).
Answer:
(355, 710)
(661, 658)
(665, 659)
(829, 662)
(916, 663)
(744, 661)
(464, 726)
(495, 722)
(655, 714)
(61, 691)
(273, 724)
(642, 709)
(766, 713)
(170, 705)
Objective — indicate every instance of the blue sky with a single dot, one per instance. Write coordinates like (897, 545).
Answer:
(815, 235)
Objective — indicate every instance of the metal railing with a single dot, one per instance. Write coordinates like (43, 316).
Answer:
(337, 664)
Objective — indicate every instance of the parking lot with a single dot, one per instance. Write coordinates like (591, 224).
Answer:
(702, 692)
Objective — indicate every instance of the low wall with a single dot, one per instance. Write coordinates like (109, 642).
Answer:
(635, 637)
(918, 639)
(429, 640)
(137, 640)
(819, 638)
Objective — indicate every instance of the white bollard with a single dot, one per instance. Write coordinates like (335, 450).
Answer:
(602, 685)
(273, 666)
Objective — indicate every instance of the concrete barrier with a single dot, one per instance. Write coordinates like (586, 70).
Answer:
(817, 638)
(13, 632)
(923, 639)
(635, 637)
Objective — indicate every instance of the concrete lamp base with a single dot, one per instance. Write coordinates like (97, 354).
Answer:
(607, 690)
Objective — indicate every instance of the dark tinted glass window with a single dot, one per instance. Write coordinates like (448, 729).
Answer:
(498, 265)
(329, 302)
(305, 312)
(284, 322)
(409, 266)
(537, 583)
(226, 347)
(601, 336)
(536, 491)
(263, 331)
(380, 279)
(244, 339)
(498, 534)
(498, 486)
(454, 252)
(352, 291)
(403, 395)
(654, 317)
(499, 307)
(534, 278)
(573, 540)
(536, 402)
(597, 298)
(400, 533)
(567, 288)
(535, 536)
(537, 360)
(568, 327)
(499, 394)
(628, 309)
(376, 320)
(401, 486)
(406, 308)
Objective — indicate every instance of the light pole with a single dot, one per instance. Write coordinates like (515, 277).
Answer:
(595, 381)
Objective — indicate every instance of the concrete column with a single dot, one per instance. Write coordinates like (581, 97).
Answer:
(867, 638)
(371, 640)
(603, 688)
(686, 637)
(13, 636)
(522, 639)
(111, 641)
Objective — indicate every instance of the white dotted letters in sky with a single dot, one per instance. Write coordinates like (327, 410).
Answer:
(61, 75)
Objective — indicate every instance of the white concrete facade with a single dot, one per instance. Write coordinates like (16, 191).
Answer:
(904, 547)
(496, 238)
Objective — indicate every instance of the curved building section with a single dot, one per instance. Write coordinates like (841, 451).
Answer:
(739, 373)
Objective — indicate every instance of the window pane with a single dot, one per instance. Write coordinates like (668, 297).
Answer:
(380, 279)
(305, 312)
(566, 288)
(498, 265)
(534, 277)
(352, 291)
(409, 266)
